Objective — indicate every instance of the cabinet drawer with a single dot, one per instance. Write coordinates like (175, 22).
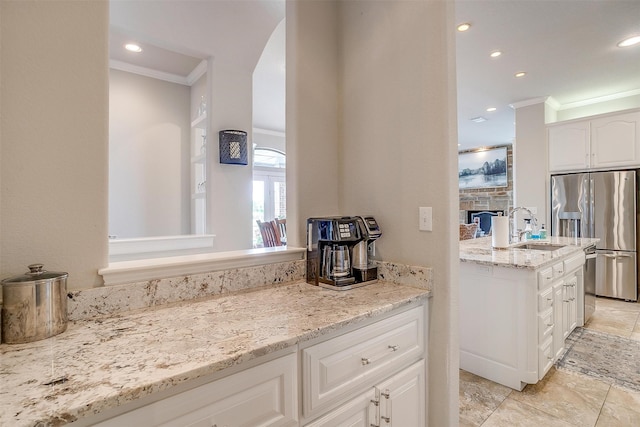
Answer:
(558, 269)
(574, 262)
(265, 395)
(545, 278)
(349, 363)
(545, 300)
(545, 325)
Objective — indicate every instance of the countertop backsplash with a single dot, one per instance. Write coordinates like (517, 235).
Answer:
(112, 300)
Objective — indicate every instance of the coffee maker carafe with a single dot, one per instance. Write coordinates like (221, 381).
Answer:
(332, 253)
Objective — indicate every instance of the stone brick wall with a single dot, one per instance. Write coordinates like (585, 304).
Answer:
(489, 198)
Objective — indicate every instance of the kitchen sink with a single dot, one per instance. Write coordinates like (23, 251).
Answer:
(539, 246)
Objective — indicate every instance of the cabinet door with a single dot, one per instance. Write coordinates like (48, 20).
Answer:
(558, 309)
(569, 147)
(361, 411)
(402, 398)
(572, 315)
(615, 141)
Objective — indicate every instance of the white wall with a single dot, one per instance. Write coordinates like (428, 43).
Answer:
(54, 137)
(312, 114)
(230, 187)
(270, 140)
(149, 156)
(393, 148)
(530, 176)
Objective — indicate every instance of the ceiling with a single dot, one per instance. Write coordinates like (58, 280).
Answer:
(567, 48)
(239, 35)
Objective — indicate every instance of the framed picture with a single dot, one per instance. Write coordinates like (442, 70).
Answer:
(484, 168)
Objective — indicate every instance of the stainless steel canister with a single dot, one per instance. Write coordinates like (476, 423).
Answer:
(34, 305)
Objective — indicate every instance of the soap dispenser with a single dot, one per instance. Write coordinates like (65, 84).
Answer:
(527, 229)
(543, 232)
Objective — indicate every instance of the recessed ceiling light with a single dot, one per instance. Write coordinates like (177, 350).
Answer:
(463, 27)
(629, 41)
(132, 47)
(491, 109)
(520, 74)
(495, 53)
(478, 119)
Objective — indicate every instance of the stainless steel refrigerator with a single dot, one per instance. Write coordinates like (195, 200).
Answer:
(602, 205)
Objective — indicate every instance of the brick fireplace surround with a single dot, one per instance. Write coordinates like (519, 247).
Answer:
(489, 198)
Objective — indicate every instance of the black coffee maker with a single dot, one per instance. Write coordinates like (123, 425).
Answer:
(331, 243)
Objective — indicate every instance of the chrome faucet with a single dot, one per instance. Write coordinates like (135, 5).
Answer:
(515, 235)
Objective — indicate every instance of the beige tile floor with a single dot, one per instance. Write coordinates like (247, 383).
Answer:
(562, 398)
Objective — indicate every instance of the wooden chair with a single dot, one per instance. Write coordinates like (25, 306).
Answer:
(280, 226)
(269, 237)
(468, 231)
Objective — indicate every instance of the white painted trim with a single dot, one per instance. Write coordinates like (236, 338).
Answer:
(600, 99)
(269, 132)
(147, 72)
(528, 102)
(197, 72)
(158, 268)
(129, 249)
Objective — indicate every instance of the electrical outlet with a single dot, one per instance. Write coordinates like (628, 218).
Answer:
(426, 219)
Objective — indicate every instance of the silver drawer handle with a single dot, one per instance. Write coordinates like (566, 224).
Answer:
(394, 347)
(386, 419)
(365, 361)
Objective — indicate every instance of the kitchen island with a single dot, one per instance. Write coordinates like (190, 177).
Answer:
(518, 305)
(103, 367)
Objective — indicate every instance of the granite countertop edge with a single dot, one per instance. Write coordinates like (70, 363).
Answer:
(283, 325)
(480, 251)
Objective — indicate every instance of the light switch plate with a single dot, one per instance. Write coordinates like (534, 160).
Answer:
(426, 218)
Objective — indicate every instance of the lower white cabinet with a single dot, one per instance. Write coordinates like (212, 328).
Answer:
(398, 401)
(382, 364)
(265, 395)
(514, 322)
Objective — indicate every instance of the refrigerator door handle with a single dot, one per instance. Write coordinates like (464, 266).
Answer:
(610, 255)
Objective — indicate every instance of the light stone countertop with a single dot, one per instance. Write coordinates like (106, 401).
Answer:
(106, 362)
(479, 251)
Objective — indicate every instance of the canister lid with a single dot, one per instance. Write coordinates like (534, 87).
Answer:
(35, 273)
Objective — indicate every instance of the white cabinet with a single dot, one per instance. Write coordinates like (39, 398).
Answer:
(401, 398)
(361, 411)
(605, 142)
(615, 141)
(265, 395)
(386, 358)
(569, 146)
(514, 322)
(399, 401)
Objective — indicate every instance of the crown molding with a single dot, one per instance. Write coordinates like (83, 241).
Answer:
(600, 99)
(148, 72)
(528, 102)
(197, 72)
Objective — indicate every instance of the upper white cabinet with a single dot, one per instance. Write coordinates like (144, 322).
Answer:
(611, 141)
(615, 141)
(569, 146)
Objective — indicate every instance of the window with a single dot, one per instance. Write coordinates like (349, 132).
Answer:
(269, 188)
